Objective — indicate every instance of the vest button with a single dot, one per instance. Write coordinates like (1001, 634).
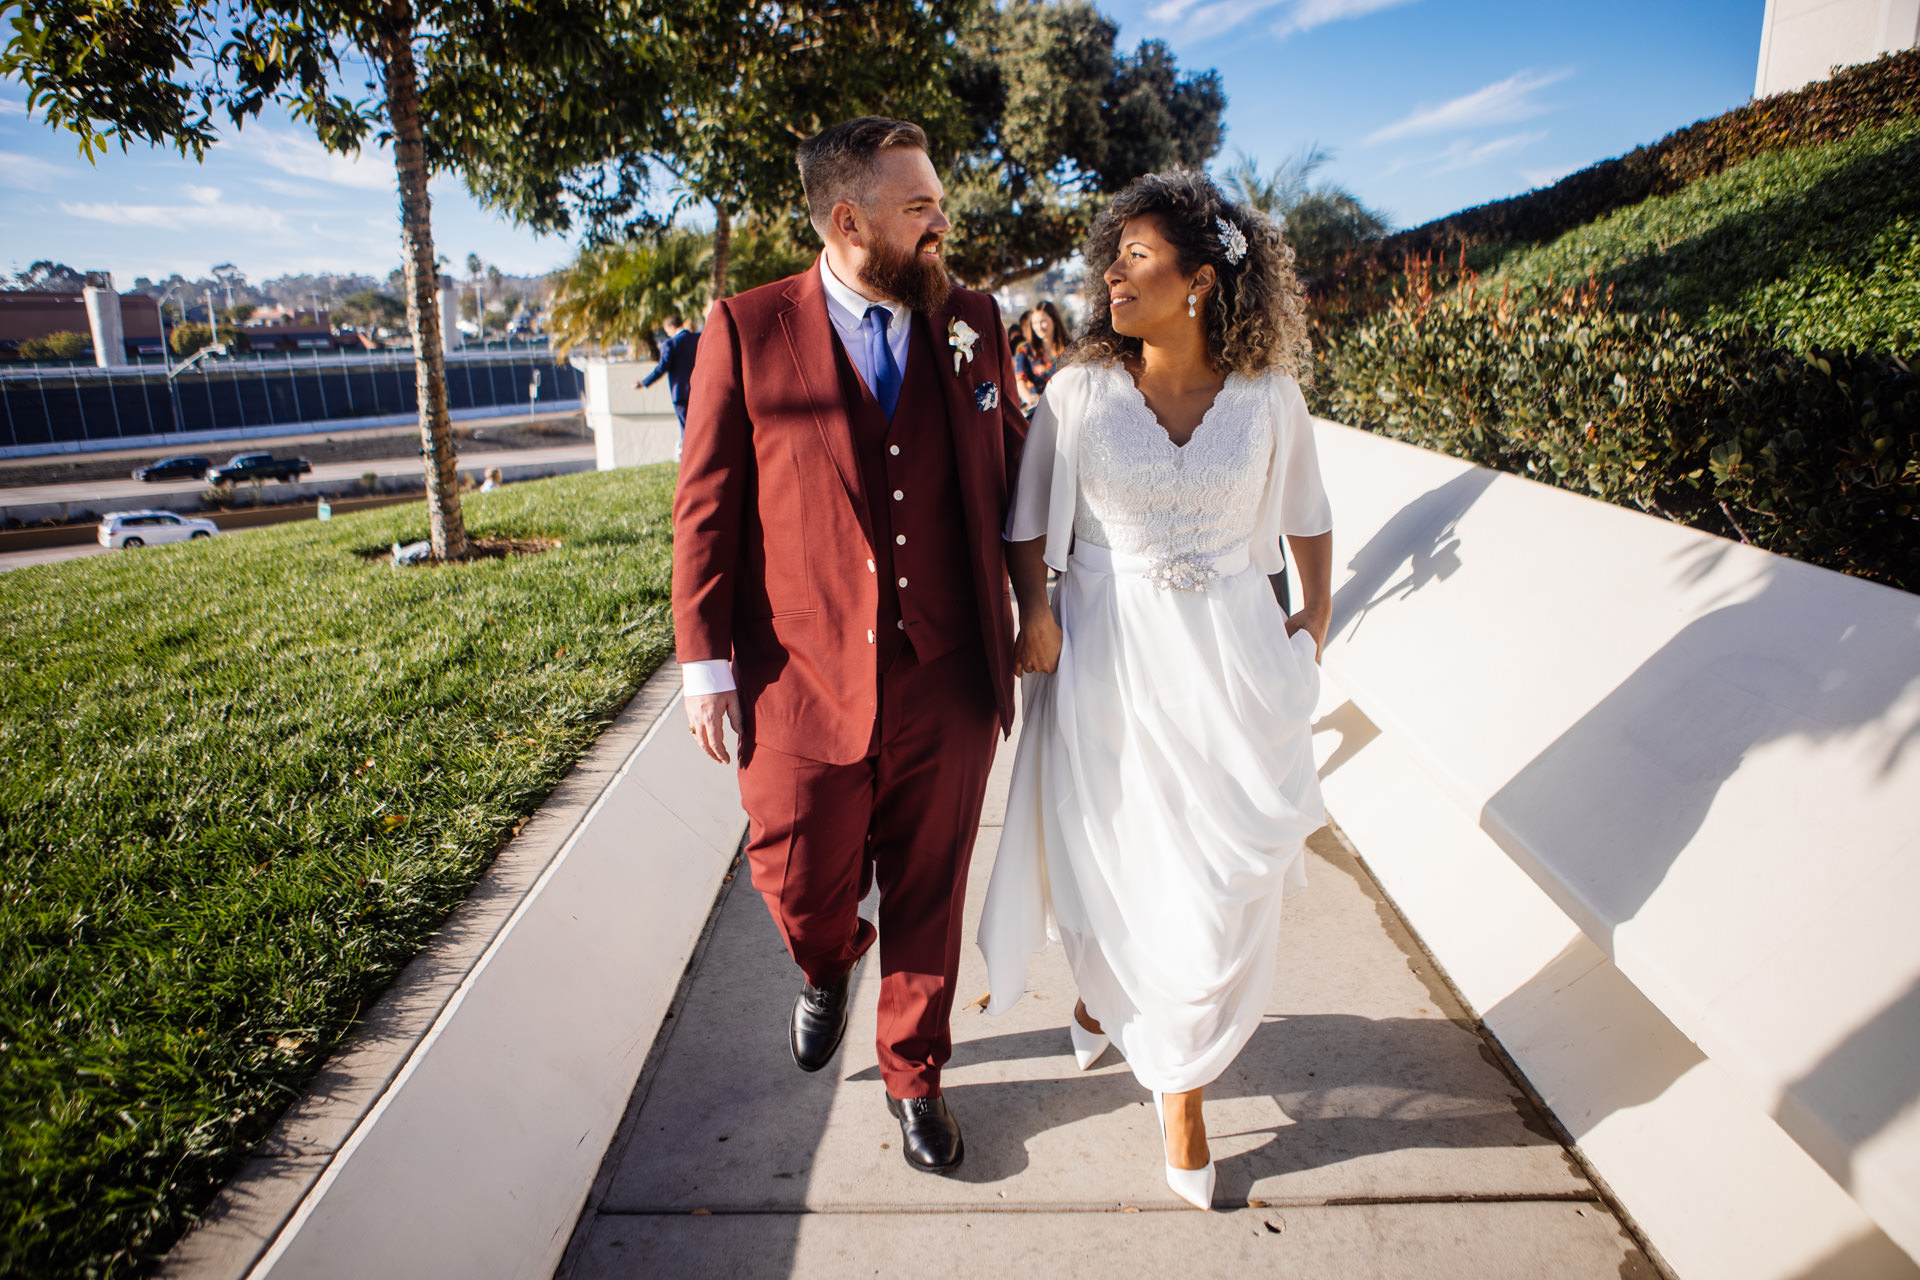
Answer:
(869, 636)
(900, 623)
(903, 582)
(900, 539)
(897, 495)
(894, 449)
(870, 568)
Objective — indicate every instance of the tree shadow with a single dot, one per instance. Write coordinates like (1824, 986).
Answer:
(1600, 816)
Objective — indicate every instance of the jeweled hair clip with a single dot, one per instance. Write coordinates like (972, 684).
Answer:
(1233, 241)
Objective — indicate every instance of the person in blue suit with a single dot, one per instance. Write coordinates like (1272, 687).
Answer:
(676, 365)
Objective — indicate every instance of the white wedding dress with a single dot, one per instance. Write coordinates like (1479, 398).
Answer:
(1164, 785)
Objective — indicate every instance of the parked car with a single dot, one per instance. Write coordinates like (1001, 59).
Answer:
(123, 529)
(259, 466)
(183, 468)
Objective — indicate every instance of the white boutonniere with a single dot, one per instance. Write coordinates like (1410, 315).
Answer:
(961, 336)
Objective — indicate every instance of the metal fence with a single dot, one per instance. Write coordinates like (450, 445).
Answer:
(50, 404)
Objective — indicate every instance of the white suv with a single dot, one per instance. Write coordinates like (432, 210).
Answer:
(138, 528)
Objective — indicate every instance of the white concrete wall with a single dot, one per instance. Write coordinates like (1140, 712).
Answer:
(1803, 40)
(1653, 801)
(632, 425)
(109, 333)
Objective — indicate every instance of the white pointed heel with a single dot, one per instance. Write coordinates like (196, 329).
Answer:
(1087, 1045)
(1195, 1186)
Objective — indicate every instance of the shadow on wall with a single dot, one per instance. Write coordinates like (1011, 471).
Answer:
(1860, 1086)
(1420, 536)
(1603, 813)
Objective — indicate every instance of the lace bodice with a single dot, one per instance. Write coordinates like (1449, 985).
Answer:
(1140, 494)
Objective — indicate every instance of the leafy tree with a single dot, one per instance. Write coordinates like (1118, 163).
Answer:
(49, 277)
(1056, 119)
(622, 293)
(449, 77)
(744, 83)
(63, 345)
(371, 309)
(1322, 221)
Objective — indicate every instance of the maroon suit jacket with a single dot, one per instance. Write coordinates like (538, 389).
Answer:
(771, 536)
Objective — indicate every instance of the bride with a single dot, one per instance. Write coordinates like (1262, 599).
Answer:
(1164, 786)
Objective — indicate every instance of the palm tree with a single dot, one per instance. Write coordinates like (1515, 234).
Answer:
(622, 293)
(1323, 222)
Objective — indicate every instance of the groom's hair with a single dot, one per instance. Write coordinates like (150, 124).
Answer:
(837, 163)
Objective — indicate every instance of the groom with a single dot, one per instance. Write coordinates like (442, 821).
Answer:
(840, 597)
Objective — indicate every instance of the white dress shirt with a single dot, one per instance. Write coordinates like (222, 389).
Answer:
(847, 308)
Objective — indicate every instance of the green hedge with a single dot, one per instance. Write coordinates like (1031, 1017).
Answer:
(1818, 246)
(1815, 455)
(1856, 98)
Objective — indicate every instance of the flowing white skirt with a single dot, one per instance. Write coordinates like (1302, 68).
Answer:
(1163, 790)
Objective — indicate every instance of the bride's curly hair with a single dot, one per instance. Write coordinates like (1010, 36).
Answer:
(1255, 317)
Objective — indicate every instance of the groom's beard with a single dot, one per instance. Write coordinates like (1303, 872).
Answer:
(906, 275)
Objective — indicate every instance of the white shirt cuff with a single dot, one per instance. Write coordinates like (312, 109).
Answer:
(710, 675)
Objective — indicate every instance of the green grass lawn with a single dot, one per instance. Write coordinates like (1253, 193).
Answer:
(241, 782)
(1818, 245)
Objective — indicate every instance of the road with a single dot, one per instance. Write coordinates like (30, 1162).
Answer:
(136, 494)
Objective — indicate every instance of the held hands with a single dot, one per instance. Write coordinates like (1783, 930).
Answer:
(1037, 647)
(1315, 622)
(706, 712)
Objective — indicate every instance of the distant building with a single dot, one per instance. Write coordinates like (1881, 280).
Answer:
(25, 315)
(1804, 40)
(276, 329)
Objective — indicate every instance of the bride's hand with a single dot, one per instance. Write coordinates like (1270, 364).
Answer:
(1316, 624)
(1037, 647)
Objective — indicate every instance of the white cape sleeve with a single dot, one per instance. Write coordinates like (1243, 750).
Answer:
(1295, 502)
(1048, 488)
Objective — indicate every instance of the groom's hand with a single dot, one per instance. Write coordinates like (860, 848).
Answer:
(707, 713)
(1037, 647)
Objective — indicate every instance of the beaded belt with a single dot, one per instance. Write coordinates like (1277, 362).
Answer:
(1173, 573)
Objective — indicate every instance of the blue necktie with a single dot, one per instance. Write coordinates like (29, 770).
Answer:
(886, 374)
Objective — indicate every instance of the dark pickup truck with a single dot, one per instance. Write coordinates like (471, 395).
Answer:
(259, 466)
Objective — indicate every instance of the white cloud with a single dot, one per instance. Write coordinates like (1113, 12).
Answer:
(1304, 15)
(297, 190)
(1462, 155)
(302, 156)
(1197, 19)
(201, 195)
(179, 217)
(1501, 102)
(28, 173)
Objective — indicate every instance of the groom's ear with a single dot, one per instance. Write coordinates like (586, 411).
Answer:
(846, 220)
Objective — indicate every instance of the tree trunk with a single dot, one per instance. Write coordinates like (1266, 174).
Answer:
(722, 237)
(445, 525)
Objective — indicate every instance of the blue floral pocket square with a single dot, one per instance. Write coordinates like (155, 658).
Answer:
(986, 396)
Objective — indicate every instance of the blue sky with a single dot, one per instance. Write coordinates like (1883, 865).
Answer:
(1428, 106)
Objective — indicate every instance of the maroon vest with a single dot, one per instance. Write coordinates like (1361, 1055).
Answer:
(919, 526)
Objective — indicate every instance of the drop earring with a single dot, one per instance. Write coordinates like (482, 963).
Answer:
(1191, 299)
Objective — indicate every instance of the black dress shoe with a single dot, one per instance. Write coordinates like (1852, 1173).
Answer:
(929, 1135)
(819, 1021)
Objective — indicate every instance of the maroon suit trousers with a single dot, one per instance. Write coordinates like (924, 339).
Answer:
(821, 835)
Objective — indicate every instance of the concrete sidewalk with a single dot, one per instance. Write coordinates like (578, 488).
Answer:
(1366, 1131)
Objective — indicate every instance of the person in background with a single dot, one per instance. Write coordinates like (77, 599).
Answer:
(1047, 338)
(676, 365)
(492, 480)
(1017, 334)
